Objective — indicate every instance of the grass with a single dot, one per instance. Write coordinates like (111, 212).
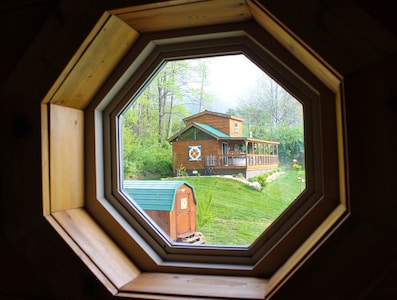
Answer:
(230, 212)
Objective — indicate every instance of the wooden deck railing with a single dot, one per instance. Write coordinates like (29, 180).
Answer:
(241, 160)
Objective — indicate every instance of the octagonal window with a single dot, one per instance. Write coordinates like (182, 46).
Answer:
(85, 195)
(133, 164)
(212, 150)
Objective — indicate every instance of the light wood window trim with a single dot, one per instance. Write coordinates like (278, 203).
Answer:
(65, 209)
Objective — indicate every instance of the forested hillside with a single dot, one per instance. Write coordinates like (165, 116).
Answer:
(181, 88)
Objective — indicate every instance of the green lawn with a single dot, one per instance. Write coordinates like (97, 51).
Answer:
(232, 213)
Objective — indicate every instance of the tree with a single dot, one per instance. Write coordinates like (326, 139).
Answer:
(254, 119)
(167, 90)
(180, 83)
(291, 144)
(271, 113)
(160, 109)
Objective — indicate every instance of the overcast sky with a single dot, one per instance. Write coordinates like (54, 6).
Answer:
(230, 77)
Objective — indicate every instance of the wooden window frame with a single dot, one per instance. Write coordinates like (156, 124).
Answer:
(75, 139)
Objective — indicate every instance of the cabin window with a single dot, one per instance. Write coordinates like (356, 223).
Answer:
(235, 127)
(86, 198)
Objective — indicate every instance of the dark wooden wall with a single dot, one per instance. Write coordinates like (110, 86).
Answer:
(357, 38)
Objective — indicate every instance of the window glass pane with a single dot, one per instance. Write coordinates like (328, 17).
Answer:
(212, 150)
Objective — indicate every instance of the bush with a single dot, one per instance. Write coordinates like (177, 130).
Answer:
(158, 162)
(143, 160)
(181, 171)
(297, 167)
(131, 169)
(261, 179)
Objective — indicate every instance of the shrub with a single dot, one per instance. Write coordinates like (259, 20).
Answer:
(261, 179)
(181, 172)
(297, 167)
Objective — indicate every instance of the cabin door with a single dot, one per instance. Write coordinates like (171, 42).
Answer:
(225, 152)
(183, 213)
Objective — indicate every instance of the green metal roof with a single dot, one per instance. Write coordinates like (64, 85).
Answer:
(215, 133)
(212, 130)
(154, 194)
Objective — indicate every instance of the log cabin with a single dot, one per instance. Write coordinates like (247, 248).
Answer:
(213, 143)
(355, 260)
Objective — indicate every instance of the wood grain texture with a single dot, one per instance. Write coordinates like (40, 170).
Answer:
(98, 251)
(296, 47)
(174, 14)
(225, 287)
(66, 157)
(74, 60)
(92, 64)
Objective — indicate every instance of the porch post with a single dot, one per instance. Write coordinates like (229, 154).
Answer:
(246, 154)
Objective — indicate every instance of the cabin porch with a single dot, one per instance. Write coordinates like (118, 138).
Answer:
(249, 165)
(249, 154)
(246, 160)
